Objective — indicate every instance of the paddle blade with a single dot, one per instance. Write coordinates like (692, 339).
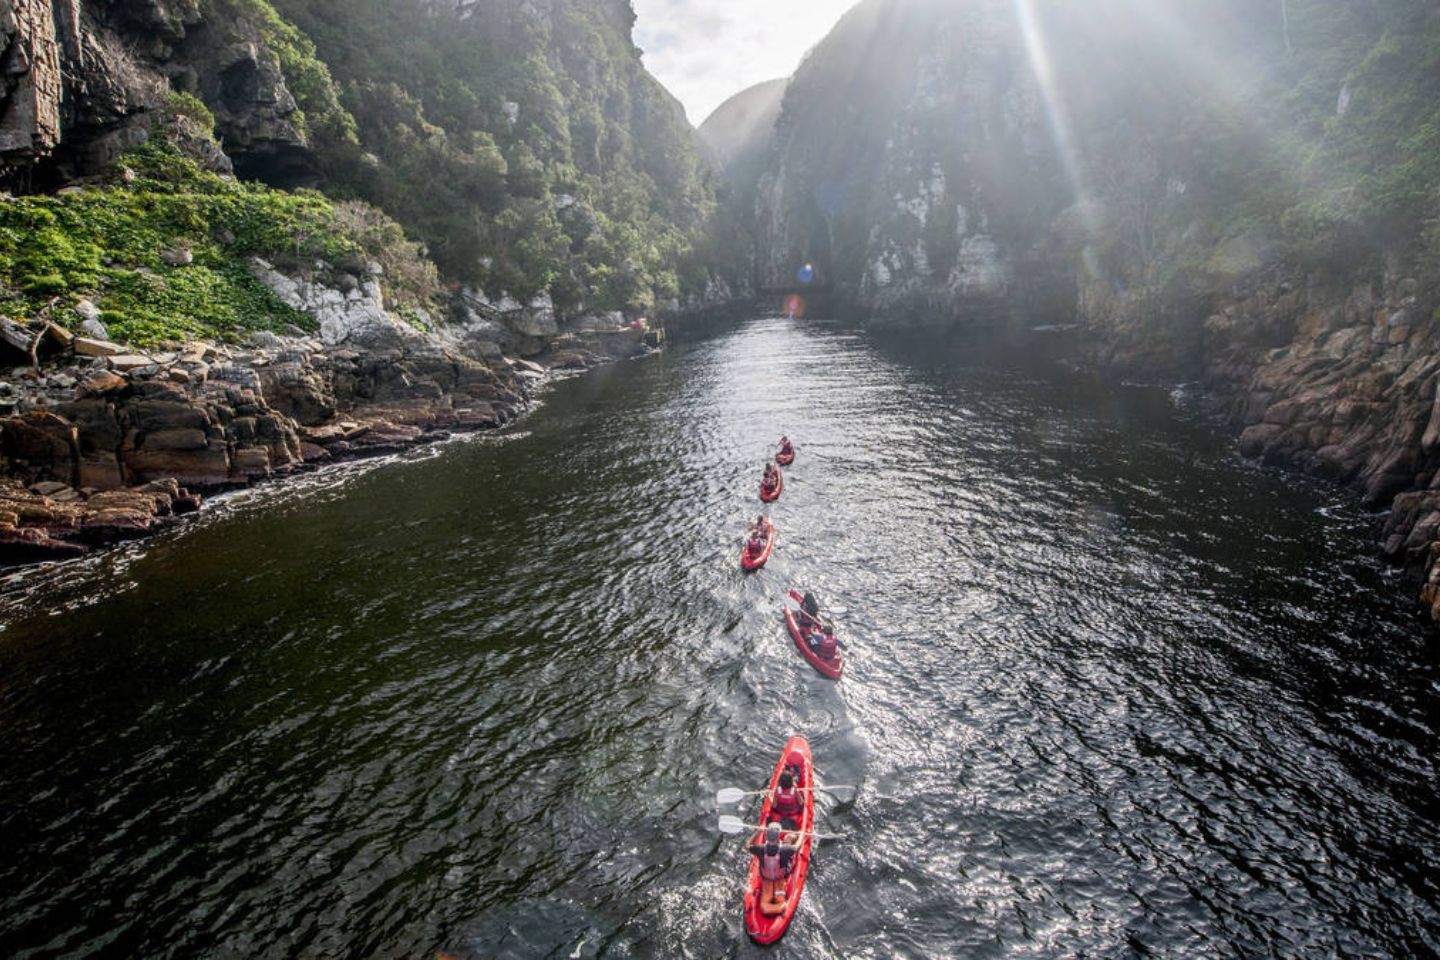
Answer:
(732, 825)
(842, 794)
(728, 795)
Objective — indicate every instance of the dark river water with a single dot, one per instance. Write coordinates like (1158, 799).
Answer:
(1112, 692)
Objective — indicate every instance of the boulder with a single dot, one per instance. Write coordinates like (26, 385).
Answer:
(91, 347)
(42, 441)
(311, 453)
(121, 523)
(185, 438)
(126, 362)
(206, 468)
(88, 315)
(252, 463)
(58, 335)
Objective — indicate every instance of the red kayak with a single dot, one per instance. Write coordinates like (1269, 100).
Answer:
(785, 459)
(831, 668)
(771, 494)
(767, 921)
(754, 561)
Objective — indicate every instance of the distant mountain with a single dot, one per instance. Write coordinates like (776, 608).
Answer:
(743, 126)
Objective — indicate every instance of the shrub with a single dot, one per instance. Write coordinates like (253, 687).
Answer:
(104, 244)
(180, 104)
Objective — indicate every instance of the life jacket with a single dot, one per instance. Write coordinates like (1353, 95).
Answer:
(827, 645)
(786, 804)
(772, 865)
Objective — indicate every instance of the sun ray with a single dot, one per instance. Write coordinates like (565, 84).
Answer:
(1056, 112)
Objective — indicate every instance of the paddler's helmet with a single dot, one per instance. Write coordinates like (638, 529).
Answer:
(772, 833)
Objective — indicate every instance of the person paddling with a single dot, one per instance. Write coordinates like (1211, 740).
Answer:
(785, 448)
(772, 477)
(777, 859)
(809, 615)
(758, 531)
(825, 643)
(785, 805)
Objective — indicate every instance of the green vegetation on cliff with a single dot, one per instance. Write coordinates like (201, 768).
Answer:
(124, 246)
(1370, 78)
(523, 143)
(320, 116)
(1314, 138)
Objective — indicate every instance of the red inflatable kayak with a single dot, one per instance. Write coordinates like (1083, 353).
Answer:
(754, 561)
(830, 668)
(770, 496)
(785, 459)
(767, 922)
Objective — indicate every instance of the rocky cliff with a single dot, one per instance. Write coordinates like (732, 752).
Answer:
(179, 313)
(1245, 193)
(910, 162)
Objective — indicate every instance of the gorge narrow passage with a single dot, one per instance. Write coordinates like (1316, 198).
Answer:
(1111, 690)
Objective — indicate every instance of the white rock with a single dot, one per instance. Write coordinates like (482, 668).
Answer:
(86, 310)
(979, 268)
(358, 320)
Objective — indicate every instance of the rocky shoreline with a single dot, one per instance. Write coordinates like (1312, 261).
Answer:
(100, 443)
(1335, 379)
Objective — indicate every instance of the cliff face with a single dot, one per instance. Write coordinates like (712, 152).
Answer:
(521, 141)
(912, 164)
(176, 317)
(85, 82)
(1245, 193)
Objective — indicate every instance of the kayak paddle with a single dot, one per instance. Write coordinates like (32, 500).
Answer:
(728, 795)
(734, 825)
(834, 611)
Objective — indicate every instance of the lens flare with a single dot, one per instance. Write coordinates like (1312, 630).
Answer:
(805, 275)
(1038, 53)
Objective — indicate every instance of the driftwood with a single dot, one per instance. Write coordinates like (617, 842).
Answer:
(35, 348)
(14, 335)
(43, 318)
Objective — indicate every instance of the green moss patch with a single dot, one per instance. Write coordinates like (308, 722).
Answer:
(105, 244)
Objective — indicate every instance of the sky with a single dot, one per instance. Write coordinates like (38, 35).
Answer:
(704, 51)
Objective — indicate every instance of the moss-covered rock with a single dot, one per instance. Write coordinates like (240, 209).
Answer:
(120, 246)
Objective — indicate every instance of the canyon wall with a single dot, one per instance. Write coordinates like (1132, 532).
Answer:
(1242, 193)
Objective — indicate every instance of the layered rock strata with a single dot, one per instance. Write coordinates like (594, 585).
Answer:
(100, 443)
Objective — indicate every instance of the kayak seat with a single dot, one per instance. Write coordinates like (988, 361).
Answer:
(772, 897)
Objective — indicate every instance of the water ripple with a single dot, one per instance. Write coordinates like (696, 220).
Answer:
(1111, 691)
